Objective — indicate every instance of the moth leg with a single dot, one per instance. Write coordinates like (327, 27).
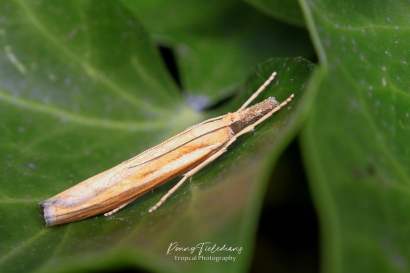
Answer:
(116, 209)
(192, 172)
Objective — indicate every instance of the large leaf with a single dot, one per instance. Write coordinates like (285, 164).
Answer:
(216, 42)
(356, 142)
(82, 95)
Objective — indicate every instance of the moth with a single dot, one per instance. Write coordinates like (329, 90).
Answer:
(184, 154)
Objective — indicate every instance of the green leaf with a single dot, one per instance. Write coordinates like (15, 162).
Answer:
(215, 42)
(82, 95)
(288, 11)
(356, 139)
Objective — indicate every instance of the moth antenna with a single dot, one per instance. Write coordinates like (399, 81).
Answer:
(263, 86)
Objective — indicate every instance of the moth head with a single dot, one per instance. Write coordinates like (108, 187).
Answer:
(236, 126)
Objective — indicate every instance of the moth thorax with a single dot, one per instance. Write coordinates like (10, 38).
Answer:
(257, 111)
